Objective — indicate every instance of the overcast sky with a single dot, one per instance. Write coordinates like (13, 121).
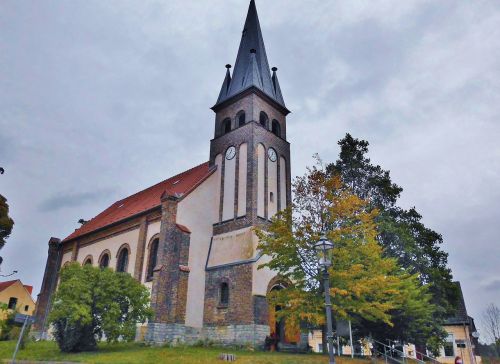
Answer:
(100, 99)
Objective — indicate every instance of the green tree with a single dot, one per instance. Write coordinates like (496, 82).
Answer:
(365, 285)
(404, 237)
(6, 223)
(92, 302)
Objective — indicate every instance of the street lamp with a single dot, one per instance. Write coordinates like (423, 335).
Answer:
(323, 247)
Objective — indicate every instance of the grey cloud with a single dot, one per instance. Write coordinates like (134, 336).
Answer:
(493, 285)
(119, 92)
(67, 200)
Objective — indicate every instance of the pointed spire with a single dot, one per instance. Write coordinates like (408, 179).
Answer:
(277, 90)
(225, 85)
(252, 77)
(251, 39)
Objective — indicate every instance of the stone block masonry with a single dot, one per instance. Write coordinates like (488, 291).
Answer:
(178, 334)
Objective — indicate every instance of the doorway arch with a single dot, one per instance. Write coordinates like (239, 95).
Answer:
(278, 327)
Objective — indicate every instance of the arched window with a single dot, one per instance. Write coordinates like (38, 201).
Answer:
(226, 126)
(122, 264)
(276, 128)
(241, 118)
(104, 259)
(153, 258)
(87, 260)
(224, 294)
(263, 119)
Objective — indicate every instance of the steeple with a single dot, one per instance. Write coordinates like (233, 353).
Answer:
(251, 68)
(225, 85)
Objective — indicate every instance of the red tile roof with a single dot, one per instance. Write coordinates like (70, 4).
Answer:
(180, 185)
(7, 284)
(29, 288)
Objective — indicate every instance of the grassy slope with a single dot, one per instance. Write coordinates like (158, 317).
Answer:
(136, 353)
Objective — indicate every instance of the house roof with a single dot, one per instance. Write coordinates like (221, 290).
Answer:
(460, 316)
(179, 185)
(7, 284)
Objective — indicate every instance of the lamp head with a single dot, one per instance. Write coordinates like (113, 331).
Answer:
(322, 247)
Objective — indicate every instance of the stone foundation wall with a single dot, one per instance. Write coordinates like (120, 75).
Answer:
(163, 333)
(247, 335)
(176, 334)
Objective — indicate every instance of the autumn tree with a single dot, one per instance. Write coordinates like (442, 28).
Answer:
(92, 303)
(6, 223)
(404, 237)
(365, 284)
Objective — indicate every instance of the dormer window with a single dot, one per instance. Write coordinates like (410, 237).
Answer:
(263, 119)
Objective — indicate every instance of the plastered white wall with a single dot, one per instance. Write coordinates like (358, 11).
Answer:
(66, 258)
(231, 247)
(218, 175)
(242, 181)
(112, 243)
(283, 183)
(196, 212)
(272, 188)
(261, 155)
(229, 189)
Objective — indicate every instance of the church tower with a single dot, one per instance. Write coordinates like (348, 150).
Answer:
(252, 156)
(249, 144)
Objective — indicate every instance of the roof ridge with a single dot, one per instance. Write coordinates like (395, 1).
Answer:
(181, 183)
(159, 183)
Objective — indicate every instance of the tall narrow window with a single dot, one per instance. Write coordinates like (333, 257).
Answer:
(104, 262)
(226, 126)
(224, 294)
(122, 261)
(153, 258)
(276, 128)
(263, 119)
(241, 118)
(12, 303)
(449, 348)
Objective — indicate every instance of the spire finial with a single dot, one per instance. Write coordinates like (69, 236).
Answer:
(228, 66)
(253, 42)
(274, 69)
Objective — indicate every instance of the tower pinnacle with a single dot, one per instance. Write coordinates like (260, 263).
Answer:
(252, 67)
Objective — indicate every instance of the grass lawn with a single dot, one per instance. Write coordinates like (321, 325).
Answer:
(136, 353)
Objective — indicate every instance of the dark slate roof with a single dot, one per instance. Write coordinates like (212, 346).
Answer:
(460, 315)
(251, 68)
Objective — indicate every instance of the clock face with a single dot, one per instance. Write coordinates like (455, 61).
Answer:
(230, 153)
(272, 155)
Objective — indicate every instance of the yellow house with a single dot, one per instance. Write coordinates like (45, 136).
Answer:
(17, 297)
(462, 335)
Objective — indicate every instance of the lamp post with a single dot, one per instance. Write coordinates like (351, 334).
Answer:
(322, 247)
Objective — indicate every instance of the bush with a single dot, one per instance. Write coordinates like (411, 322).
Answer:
(92, 303)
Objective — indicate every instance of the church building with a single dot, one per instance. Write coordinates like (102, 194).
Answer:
(190, 238)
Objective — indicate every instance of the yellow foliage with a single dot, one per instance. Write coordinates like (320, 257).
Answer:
(363, 282)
